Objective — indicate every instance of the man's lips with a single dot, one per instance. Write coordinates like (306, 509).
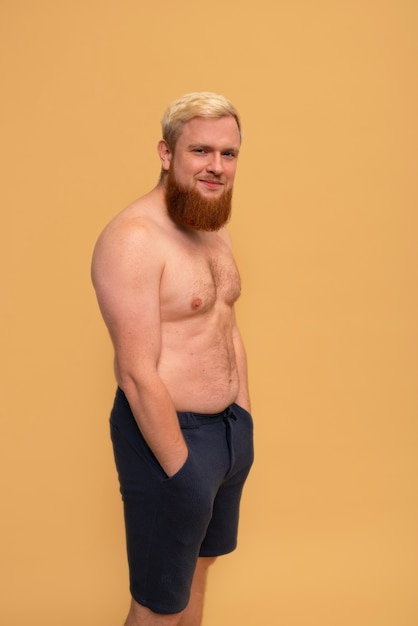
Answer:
(211, 184)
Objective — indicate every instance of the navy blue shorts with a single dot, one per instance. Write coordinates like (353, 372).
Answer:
(170, 522)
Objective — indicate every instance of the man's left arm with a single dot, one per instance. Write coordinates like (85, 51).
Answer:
(243, 398)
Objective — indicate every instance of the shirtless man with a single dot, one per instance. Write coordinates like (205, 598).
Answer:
(181, 427)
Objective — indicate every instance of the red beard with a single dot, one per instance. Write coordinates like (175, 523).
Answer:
(188, 208)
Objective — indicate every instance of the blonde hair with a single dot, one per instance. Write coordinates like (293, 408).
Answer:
(196, 104)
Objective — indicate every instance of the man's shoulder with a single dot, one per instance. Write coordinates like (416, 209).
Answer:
(134, 237)
(142, 219)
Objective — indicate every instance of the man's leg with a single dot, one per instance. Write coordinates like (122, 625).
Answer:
(141, 616)
(192, 615)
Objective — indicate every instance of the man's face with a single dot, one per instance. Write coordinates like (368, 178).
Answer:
(202, 171)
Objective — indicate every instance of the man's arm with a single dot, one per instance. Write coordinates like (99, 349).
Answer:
(243, 398)
(126, 271)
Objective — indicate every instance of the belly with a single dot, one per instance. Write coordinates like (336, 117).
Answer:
(200, 372)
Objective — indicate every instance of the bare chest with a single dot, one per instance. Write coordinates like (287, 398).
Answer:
(195, 281)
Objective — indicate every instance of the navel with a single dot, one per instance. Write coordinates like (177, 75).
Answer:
(196, 303)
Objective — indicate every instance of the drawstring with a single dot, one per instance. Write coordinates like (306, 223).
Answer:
(196, 420)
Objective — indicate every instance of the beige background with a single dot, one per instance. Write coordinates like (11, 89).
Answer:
(325, 231)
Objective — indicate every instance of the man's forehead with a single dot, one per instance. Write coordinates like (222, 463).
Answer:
(211, 127)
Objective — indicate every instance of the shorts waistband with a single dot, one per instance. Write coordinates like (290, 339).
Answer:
(189, 419)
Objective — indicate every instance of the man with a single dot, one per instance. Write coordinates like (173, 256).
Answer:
(181, 427)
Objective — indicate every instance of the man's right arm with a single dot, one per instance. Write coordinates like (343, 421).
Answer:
(126, 272)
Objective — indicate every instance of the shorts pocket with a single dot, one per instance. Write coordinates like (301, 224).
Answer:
(132, 451)
(178, 474)
(187, 496)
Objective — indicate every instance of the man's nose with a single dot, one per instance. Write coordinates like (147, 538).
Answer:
(215, 163)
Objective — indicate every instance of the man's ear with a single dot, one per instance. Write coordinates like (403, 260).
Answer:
(165, 154)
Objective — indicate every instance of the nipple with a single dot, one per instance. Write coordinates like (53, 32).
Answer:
(196, 303)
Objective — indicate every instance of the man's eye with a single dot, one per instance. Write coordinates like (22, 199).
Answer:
(200, 150)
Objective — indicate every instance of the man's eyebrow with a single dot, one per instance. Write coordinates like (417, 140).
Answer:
(204, 146)
(192, 146)
(233, 149)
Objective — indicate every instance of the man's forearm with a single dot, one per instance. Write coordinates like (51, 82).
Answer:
(243, 397)
(157, 420)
